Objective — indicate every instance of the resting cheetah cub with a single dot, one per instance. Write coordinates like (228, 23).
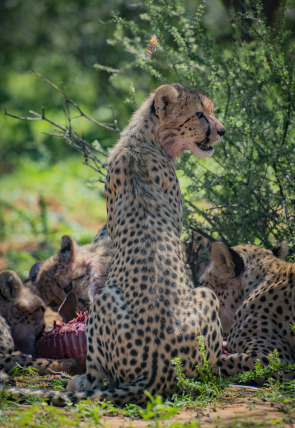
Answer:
(265, 286)
(222, 276)
(148, 312)
(69, 279)
(21, 324)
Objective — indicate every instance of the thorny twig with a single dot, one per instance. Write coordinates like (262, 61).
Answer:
(89, 152)
(113, 128)
(207, 218)
(71, 138)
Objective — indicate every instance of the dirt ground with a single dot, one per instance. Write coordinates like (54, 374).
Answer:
(239, 405)
(245, 409)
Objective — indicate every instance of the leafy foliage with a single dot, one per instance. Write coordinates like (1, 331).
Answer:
(245, 193)
(208, 386)
(249, 184)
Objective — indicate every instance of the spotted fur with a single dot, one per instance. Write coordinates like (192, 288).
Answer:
(257, 292)
(21, 324)
(69, 279)
(148, 312)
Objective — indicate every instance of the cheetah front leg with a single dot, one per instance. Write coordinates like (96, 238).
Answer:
(259, 349)
(81, 383)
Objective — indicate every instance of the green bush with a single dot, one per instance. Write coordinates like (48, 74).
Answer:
(245, 193)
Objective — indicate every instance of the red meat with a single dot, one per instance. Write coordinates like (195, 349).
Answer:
(64, 340)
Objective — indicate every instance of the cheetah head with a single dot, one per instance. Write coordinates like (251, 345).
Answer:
(23, 310)
(223, 277)
(63, 280)
(187, 121)
(59, 277)
(229, 275)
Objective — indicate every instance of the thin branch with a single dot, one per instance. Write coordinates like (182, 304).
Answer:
(20, 117)
(207, 218)
(203, 233)
(67, 132)
(75, 105)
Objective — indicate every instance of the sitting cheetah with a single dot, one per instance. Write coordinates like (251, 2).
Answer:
(265, 287)
(69, 279)
(21, 324)
(148, 313)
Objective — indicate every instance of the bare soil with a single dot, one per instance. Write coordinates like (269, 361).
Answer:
(239, 407)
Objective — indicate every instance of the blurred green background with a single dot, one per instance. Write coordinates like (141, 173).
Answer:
(46, 191)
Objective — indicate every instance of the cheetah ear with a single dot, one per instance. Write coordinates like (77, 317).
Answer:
(165, 98)
(34, 272)
(178, 86)
(68, 249)
(227, 259)
(281, 250)
(10, 284)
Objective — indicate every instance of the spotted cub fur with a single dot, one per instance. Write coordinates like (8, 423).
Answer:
(21, 324)
(148, 313)
(262, 289)
(222, 277)
(69, 279)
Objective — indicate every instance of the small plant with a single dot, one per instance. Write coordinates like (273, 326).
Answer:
(206, 386)
(24, 372)
(272, 370)
(204, 370)
(156, 408)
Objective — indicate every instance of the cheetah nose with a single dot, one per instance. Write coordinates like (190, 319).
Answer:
(221, 132)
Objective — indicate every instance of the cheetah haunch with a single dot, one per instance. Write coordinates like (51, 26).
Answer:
(148, 312)
(262, 287)
(21, 325)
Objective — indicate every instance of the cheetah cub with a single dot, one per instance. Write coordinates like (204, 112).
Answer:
(148, 313)
(223, 277)
(21, 324)
(69, 279)
(257, 293)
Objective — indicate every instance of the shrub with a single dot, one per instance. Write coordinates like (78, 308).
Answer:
(245, 193)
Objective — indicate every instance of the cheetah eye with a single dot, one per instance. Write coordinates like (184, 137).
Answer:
(68, 288)
(199, 114)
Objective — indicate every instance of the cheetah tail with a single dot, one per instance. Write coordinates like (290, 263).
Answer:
(119, 396)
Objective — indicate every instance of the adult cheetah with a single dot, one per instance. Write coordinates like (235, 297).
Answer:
(21, 324)
(148, 312)
(264, 285)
